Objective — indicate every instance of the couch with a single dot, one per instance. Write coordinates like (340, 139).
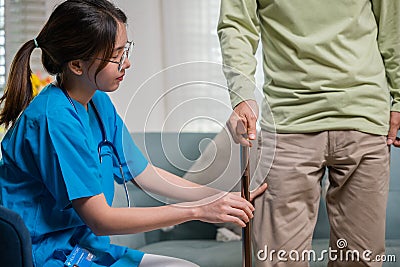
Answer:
(196, 241)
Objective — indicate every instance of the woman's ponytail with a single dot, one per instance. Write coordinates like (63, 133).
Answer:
(97, 21)
(18, 92)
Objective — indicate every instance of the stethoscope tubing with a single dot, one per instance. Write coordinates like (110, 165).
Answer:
(104, 142)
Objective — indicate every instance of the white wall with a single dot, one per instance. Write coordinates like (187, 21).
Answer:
(144, 19)
(167, 33)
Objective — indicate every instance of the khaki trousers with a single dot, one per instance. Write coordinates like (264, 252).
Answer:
(285, 216)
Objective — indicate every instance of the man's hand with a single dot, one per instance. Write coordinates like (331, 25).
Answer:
(243, 122)
(393, 129)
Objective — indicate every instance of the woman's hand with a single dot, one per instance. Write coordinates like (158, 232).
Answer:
(224, 207)
(228, 207)
(258, 191)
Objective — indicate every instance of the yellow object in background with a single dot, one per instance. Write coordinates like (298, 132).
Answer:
(38, 83)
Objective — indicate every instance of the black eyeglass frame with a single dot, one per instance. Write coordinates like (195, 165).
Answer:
(126, 54)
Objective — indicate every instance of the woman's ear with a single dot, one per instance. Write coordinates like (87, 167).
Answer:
(75, 66)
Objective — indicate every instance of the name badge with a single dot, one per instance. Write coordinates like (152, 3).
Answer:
(79, 257)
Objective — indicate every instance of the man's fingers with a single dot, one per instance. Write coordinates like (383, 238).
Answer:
(251, 127)
(396, 142)
(241, 127)
(392, 135)
(236, 130)
(232, 131)
(251, 120)
(242, 133)
(393, 129)
(242, 122)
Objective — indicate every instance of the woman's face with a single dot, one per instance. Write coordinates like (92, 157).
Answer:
(109, 78)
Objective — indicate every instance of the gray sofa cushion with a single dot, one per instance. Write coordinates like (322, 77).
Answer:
(206, 253)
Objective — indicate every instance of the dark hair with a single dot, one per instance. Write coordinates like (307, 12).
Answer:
(76, 29)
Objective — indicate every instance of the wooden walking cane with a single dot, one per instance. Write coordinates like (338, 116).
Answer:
(246, 232)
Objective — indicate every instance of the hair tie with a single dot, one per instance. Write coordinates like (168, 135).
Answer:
(36, 43)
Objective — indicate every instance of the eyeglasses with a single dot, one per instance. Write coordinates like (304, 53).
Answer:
(126, 54)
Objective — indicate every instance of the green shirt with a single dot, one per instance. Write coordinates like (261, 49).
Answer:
(328, 65)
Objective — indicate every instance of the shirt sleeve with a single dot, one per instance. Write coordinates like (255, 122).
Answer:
(387, 14)
(238, 32)
(69, 161)
(132, 159)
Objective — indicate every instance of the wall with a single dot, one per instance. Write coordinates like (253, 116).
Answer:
(171, 36)
(144, 18)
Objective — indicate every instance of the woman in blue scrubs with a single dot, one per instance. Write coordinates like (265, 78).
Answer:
(65, 147)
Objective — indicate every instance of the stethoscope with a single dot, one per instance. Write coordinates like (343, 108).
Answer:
(104, 142)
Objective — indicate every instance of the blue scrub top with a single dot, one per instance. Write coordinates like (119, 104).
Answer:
(49, 158)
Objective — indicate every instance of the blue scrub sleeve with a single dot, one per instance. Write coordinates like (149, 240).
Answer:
(132, 159)
(76, 166)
